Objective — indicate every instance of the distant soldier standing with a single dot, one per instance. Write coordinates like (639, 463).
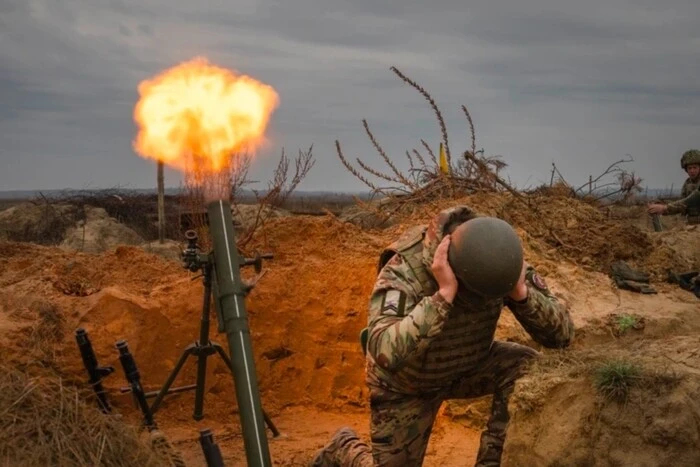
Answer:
(690, 162)
(432, 320)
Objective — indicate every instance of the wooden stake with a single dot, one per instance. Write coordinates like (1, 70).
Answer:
(161, 204)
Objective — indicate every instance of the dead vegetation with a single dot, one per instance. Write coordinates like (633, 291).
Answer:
(429, 176)
(45, 422)
(48, 328)
(200, 188)
(613, 183)
(432, 177)
(41, 334)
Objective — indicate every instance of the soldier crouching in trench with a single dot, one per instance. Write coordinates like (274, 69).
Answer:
(432, 319)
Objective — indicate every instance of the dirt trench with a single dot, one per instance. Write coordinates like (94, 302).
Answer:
(306, 313)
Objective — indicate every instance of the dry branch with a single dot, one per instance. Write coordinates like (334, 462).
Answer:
(426, 182)
(279, 189)
(230, 182)
(428, 97)
(625, 183)
(400, 176)
(486, 171)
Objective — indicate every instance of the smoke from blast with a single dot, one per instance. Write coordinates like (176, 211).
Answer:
(197, 117)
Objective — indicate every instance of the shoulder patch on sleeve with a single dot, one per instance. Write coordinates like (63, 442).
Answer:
(393, 303)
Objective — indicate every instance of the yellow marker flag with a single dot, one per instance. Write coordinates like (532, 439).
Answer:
(444, 168)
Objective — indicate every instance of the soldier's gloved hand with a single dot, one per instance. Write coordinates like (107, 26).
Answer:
(519, 292)
(657, 208)
(445, 277)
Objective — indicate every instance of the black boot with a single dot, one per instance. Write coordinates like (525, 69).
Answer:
(328, 456)
(490, 451)
(492, 439)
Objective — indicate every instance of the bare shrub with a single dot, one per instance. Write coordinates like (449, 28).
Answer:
(228, 184)
(614, 183)
(430, 176)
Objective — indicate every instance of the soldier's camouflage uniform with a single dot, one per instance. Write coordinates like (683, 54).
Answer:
(689, 186)
(686, 205)
(422, 351)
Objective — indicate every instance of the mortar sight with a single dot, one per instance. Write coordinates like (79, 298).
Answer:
(193, 260)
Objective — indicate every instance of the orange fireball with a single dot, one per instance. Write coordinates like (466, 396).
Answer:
(200, 114)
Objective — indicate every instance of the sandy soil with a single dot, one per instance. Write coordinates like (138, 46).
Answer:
(305, 317)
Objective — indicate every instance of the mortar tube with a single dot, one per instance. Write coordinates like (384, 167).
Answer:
(231, 298)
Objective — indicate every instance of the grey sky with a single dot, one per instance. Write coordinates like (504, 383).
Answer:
(579, 83)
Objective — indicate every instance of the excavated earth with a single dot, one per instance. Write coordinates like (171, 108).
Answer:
(307, 310)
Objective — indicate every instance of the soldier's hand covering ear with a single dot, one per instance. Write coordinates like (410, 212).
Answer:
(445, 277)
(519, 292)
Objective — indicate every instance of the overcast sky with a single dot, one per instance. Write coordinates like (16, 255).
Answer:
(578, 83)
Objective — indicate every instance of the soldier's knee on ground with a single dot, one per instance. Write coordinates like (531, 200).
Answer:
(514, 364)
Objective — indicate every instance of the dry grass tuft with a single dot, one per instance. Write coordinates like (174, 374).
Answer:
(50, 325)
(39, 340)
(43, 422)
(544, 374)
(615, 378)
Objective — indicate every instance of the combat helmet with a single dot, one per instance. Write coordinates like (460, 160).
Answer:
(486, 255)
(689, 157)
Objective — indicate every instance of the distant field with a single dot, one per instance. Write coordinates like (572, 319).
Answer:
(311, 203)
(8, 203)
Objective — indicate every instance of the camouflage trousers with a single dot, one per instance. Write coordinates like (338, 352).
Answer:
(401, 424)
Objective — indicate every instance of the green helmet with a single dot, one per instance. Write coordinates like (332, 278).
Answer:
(690, 157)
(486, 255)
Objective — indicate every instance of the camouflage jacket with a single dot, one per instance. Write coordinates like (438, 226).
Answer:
(689, 186)
(688, 204)
(420, 343)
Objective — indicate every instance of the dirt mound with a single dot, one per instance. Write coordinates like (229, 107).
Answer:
(43, 223)
(603, 407)
(169, 249)
(99, 232)
(578, 231)
(247, 216)
(685, 244)
(636, 214)
(561, 228)
(305, 313)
